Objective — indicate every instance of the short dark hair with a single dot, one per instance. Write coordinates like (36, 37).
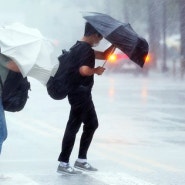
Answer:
(90, 30)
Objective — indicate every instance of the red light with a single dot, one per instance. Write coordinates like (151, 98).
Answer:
(112, 58)
(122, 56)
(148, 58)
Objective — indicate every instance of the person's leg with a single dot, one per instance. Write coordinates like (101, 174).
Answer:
(3, 128)
(90, 125)
(72, 128)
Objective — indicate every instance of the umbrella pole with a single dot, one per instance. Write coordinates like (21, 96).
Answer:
(104, 63)
(112, 51)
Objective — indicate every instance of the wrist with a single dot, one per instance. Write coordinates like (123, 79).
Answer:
(94, 71)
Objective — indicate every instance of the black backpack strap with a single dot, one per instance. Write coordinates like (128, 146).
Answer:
(1, 82)
(75, 45)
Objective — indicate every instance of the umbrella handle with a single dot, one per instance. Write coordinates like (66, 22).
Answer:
(112, 51)
(104, 63)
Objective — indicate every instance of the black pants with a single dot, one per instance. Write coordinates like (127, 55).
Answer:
(82, 110)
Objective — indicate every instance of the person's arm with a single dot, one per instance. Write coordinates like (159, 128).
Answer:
(11, 65)
(8, 63)
(104, 55)
(87, 71)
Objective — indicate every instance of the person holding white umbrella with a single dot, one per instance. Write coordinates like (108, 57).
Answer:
(31, 51)
(6, 64)
(24, 50)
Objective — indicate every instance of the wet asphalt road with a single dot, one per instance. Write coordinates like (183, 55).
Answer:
(140, 139)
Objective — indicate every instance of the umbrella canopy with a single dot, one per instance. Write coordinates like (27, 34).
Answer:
(121, 35)
(29, 49)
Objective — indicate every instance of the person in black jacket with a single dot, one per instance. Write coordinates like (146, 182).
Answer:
(80, 99)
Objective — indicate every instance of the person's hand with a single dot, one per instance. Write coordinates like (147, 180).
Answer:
(11, 65)
(99, 70)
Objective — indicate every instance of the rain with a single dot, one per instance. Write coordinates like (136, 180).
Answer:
(141, 135)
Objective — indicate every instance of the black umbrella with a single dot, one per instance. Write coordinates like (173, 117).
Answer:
(121, 35)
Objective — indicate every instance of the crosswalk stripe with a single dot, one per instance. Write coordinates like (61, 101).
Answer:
(119, 179)
(20, 179)
(124, 163)
(51, 133)
(141, 159)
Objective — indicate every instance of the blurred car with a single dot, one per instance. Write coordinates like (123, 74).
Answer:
(120, 63)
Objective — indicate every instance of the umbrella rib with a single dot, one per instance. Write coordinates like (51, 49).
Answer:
(25, 44)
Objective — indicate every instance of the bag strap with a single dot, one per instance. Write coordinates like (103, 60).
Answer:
(74, 46)
(1, 82)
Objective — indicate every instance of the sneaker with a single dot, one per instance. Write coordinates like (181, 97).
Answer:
(67, 170)
(84, 166)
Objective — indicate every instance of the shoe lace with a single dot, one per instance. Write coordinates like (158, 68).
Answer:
(70, 169)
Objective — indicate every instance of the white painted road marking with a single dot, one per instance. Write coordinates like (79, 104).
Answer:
(108, 178)
(17, 179)
(112, 178)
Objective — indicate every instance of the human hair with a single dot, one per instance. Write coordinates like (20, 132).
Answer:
(90, 30)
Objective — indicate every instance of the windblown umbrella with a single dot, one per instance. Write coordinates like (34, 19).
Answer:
(121, 35)
(29, 49)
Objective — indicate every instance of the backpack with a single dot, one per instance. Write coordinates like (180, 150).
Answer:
(58, 86)
(14, 92)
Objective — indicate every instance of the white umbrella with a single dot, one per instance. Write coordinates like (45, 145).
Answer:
(30, 50)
